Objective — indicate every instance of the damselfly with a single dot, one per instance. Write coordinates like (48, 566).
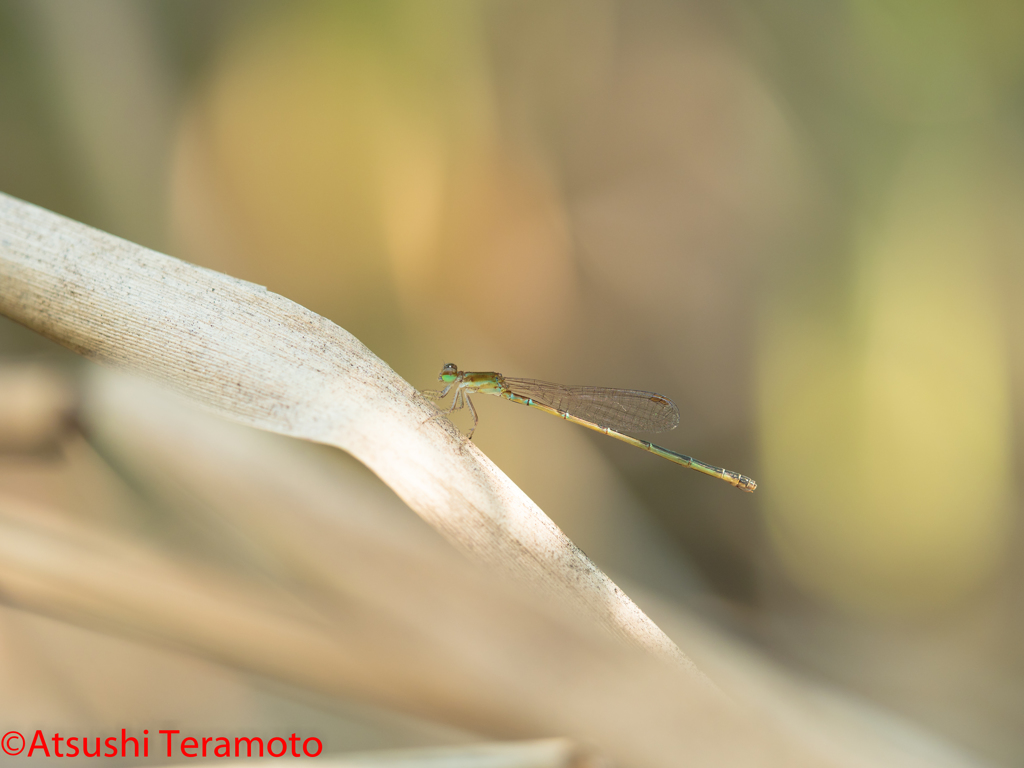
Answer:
(607, 410)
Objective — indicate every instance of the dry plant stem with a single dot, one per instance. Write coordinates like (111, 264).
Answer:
(260, 359)
(538, 675)
(542, 753)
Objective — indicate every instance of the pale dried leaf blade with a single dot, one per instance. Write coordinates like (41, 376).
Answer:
(261, 359)
(533, 675)
(541, 753)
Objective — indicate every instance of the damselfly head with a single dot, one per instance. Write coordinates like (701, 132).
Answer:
(449, 373)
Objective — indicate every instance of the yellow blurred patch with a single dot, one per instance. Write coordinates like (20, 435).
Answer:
(354, 164)
(885, 429)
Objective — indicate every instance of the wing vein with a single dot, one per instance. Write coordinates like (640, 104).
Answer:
(625, 410)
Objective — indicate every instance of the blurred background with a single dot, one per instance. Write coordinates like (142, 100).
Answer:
(803, 222)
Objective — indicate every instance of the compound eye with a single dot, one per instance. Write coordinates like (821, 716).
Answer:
(450, 372)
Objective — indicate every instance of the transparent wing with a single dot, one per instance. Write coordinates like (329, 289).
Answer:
(624, 410)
